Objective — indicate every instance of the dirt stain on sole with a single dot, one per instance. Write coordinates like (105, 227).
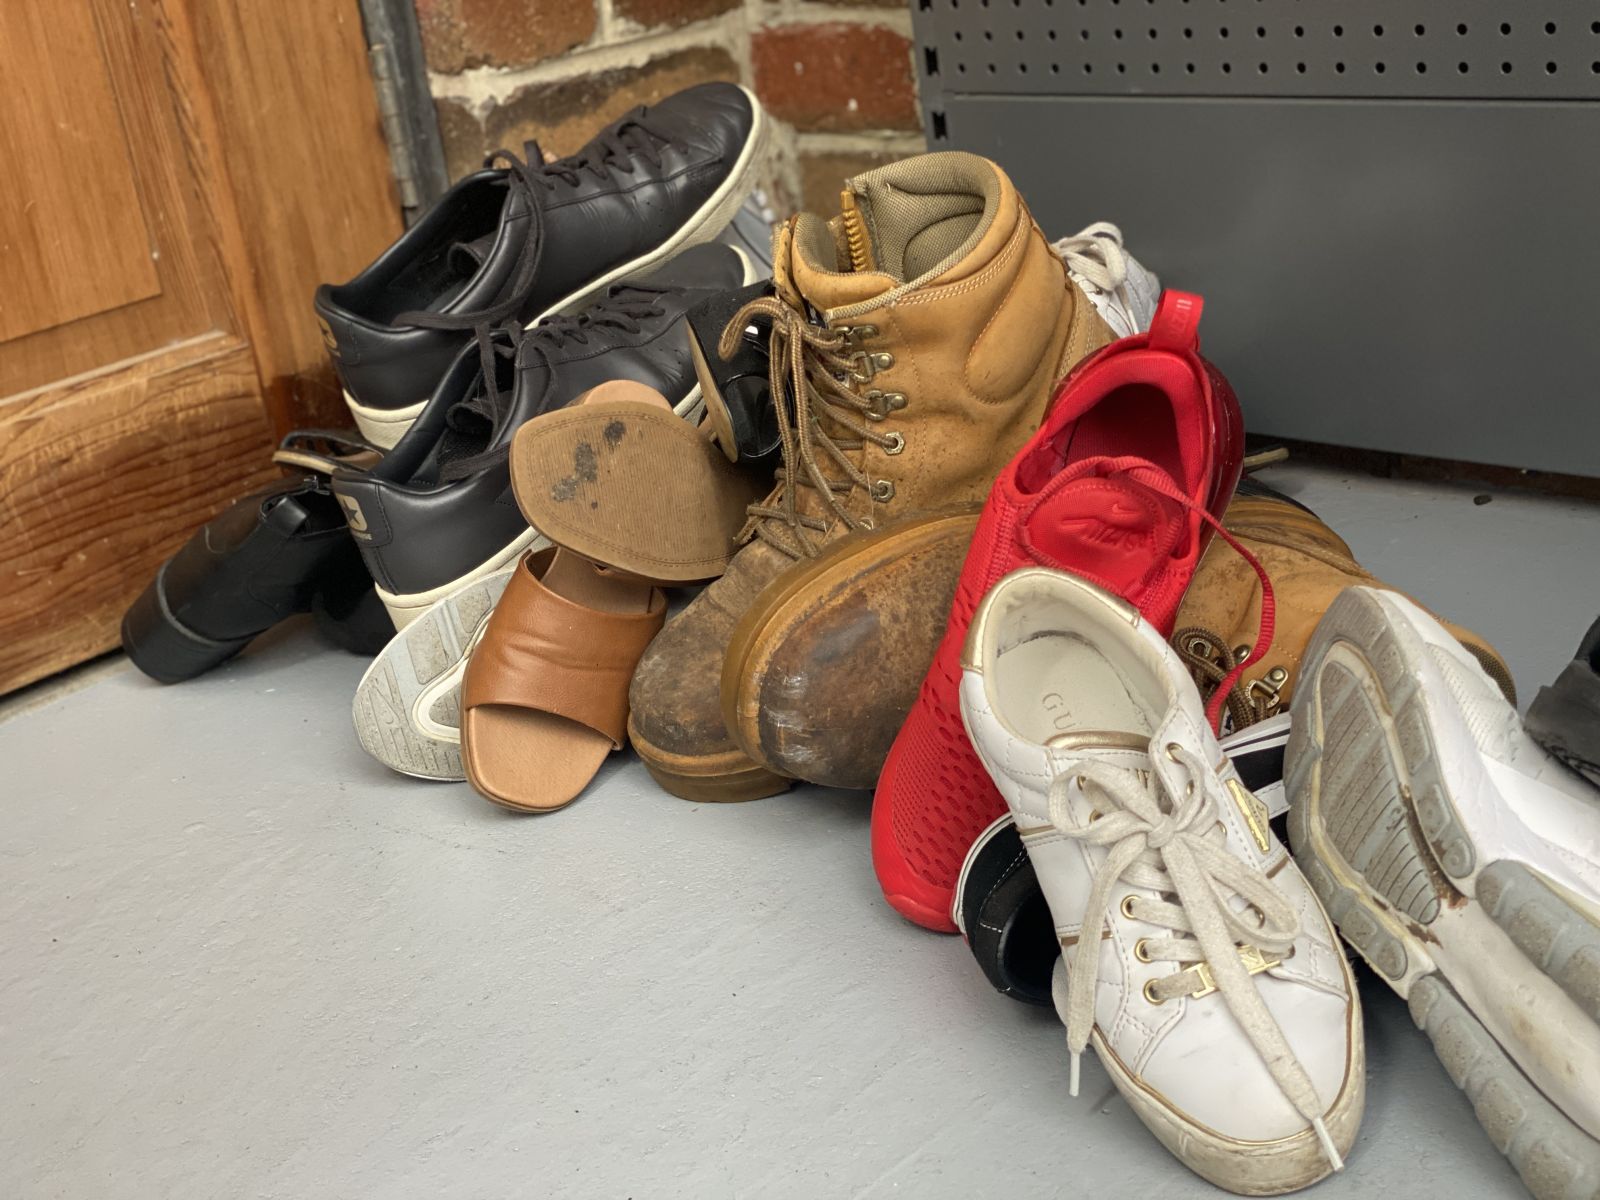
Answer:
(585, 469)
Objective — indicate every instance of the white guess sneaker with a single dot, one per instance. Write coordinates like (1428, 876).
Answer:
(1463, 862)
(1117, 284)
(1195, 957)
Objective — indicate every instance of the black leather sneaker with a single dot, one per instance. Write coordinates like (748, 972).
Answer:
(1564, 718)
(282, 550)
(1001, 910)
(438, 511)
(521, 240)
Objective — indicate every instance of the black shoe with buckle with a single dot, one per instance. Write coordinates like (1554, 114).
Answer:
(282, 550)
(521, 240)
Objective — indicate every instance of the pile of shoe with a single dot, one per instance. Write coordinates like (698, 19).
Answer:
(970, 513)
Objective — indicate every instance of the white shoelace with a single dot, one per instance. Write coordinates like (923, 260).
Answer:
(1095, 257)
(1182, 853)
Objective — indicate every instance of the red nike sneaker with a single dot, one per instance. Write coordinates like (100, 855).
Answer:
(1143, 440)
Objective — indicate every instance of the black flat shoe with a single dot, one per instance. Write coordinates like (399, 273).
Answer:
(282, 550)
(737, 389)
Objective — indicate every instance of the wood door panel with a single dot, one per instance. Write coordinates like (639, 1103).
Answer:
(74, 236)
(102, 478)
(178, 236)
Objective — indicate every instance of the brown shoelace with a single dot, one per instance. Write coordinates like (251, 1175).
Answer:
(812, 376)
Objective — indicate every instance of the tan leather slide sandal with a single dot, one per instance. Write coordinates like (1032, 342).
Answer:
(545, 697)
(625, 482)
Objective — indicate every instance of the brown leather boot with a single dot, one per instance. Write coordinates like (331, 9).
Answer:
(943, 322)
(1309, 566)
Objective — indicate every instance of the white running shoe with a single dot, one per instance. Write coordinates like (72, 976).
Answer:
(1117, 284)
(1195, 956)
(407, 708)
(1463, 862)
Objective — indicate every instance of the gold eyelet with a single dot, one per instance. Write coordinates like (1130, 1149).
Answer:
(1171, 748)
(897, 443)
(883, 491)
(1141, 950)
(1127, 907)
(1149, 994)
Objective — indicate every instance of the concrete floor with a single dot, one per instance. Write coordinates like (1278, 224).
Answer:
(242, 959)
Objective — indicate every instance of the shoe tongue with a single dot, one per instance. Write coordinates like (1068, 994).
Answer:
(1104, 524)
(819, 267)
(467, 258)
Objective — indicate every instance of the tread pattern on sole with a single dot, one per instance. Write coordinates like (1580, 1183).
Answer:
(1560, 941)
(1346, 778)
(429, 647)
(1555, 1158)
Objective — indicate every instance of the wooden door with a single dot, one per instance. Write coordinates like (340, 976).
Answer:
(178, 176)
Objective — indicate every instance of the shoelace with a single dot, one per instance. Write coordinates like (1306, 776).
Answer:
(1096, 255)
(617, 149)
(1144, 473)
(1179, 850)
(1208, 657)
(624, 308)
(811, 369)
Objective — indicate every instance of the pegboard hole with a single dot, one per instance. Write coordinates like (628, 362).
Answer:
(1461, 30)
(1261, 68)
(1422, 68)
(1550, 68)
(1550, 27)
(1338, 31)
(1227, 68)
(1377, 31)
(1505, 68)
(1463, 68)
(1300, 68)
(1379, 68)
(1421, 31)
(1338, 68)
(1505, 29)
(1261, 31)
(1300, 31)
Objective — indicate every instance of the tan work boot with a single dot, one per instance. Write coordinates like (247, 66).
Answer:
(1309, 566)
(945, 321)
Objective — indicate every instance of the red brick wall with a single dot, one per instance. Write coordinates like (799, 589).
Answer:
(836, 76)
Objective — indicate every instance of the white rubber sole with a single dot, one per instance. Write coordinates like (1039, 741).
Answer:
(407, 708)
(385, 426)
(1243, 1168)
(1499, 968)
(407, 608)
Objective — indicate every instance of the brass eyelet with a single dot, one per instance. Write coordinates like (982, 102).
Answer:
(1149, 994)
(883, 491)
(1141, 950)
(1127, 907)
(1171, 749)
(896, 443)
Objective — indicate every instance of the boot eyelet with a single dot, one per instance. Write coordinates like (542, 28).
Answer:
(883, 491)
(1127, 907)
(881, 360)
(1141, 950)
(897, 443)
(1150, 996)
(1172, 751)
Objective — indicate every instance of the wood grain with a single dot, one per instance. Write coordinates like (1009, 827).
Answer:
(71, 233)
(146, 131)
(293, 118)
(103, 477)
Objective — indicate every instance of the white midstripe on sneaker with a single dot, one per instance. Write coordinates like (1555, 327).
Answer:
(1195, 957)
(1121, 289)
(1463, 862)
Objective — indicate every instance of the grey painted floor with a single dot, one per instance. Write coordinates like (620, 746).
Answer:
(237, 958)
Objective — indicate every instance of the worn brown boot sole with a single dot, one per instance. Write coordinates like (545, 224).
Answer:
(822, 670)
(728, 778)
(633, 486)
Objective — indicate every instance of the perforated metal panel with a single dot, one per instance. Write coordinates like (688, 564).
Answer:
(1376, 49)
(1389, 204)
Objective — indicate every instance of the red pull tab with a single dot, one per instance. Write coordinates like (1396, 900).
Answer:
(1177, 322)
